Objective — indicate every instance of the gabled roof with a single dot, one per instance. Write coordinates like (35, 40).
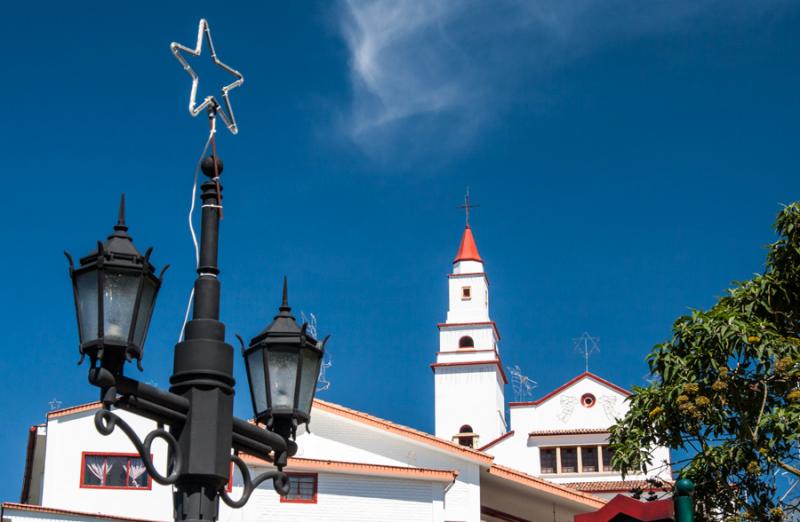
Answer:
(467, 250)
(403, 431)
(546, 486)
(584, 375)
(54, 511)
(348, 413)
(361, 468)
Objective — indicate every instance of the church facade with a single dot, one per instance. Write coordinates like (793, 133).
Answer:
(547, 460)
(561, 437)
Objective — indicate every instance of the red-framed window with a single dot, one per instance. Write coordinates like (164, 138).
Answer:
(302, 488)
(114, 471)
(547, 459)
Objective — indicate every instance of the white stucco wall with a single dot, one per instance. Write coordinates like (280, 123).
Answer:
(335, 438)
(564, 411)
(68, 437)
(472, 310)
(340, 496)
(345, 498)
(482, 335)
(471, 395)
(467, 393)
(467, 267)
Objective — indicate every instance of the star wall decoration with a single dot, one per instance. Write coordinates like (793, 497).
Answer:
(209, 102)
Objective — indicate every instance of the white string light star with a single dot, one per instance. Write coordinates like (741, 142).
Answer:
(210, 102)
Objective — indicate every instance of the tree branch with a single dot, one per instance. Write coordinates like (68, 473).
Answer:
(788, 467)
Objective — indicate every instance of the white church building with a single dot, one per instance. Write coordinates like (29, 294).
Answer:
(546, 460)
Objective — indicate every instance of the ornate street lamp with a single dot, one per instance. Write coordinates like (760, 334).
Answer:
(283, 364)
(115, 290)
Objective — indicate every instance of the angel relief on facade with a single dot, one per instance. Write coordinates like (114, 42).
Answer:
(609, 403)
(568, 403)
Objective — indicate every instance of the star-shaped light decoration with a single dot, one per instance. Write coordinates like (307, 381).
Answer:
(210, 102)
(54, 404)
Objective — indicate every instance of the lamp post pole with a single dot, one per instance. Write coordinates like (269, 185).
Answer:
(203, 375)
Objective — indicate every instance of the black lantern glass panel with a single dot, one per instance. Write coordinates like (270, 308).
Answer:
(115, 289)
(145, 312)
(86, 303)
(255, 374)
(283, 364)
(308, 379)
(120, 291)
(282, 367)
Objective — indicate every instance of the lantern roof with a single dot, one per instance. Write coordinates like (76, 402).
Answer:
(119, 244)
(284, 324)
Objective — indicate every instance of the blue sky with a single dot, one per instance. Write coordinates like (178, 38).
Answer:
(628, 158)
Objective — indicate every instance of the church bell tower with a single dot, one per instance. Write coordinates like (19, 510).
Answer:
(469, 377)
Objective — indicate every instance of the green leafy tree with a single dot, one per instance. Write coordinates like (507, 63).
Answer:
(726, 393)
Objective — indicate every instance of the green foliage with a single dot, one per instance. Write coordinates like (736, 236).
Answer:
(727, 393)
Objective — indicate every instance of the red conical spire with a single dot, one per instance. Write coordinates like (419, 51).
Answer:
(468, 250)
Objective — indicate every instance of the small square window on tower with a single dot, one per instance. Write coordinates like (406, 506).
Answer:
(466, 293)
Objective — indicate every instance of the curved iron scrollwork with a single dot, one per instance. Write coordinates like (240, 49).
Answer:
(280, 481)
(105, 421)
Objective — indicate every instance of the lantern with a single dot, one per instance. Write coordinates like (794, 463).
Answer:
(115, 289)
(283, 364)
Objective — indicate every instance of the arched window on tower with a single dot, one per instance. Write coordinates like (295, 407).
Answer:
(466, 342)
(466, 437)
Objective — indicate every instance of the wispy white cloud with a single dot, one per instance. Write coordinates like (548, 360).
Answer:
(428, 74)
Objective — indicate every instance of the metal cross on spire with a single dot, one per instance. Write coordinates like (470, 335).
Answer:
(586, 345)
(210, 102)
(467, 205)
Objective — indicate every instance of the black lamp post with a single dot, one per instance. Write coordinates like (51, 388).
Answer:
(115, 291)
